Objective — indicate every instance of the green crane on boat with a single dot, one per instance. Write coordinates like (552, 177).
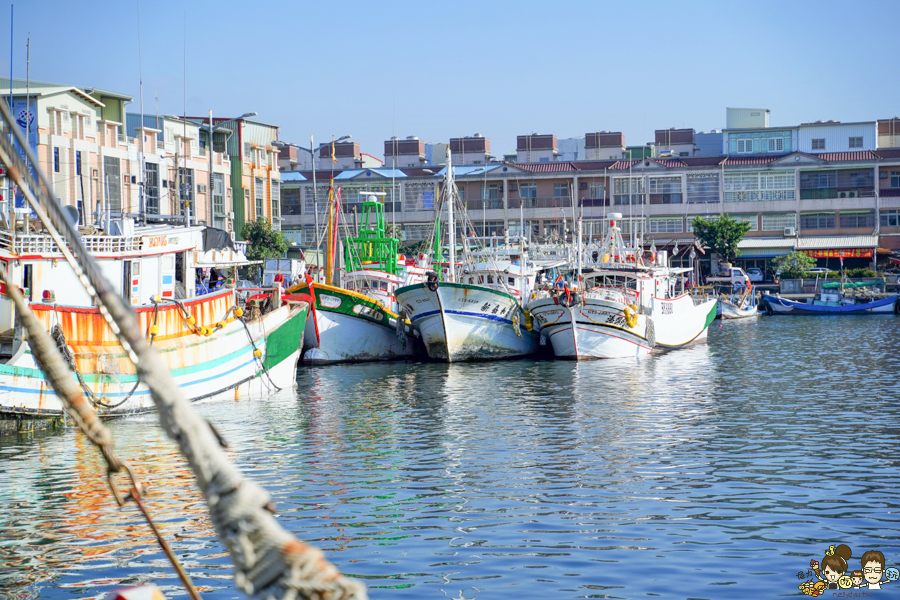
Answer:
(371, 249)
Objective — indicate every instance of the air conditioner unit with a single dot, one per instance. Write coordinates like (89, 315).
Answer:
(789, 232)
(852, 194)
(230, 215)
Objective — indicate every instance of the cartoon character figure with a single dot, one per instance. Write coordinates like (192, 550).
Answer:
(857, 577)
(834, 566)
(873, 568)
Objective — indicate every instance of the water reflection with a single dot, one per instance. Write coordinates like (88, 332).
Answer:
(725, 464)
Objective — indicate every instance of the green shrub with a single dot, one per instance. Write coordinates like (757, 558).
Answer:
(861, 272)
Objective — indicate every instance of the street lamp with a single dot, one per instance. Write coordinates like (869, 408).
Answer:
(209, 192)
(312, 158)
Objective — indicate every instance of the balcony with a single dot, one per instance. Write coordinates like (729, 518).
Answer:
(491, 204)
(593, 202)
(666, 198)
(829, 193)
(545, 202)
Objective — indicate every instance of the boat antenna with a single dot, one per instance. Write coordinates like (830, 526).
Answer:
(141, 195)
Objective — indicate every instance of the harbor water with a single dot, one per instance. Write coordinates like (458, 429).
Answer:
(716, 471)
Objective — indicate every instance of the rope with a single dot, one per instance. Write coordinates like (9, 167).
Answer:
(269, 561)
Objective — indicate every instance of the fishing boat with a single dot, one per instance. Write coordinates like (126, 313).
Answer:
(617, 306)
(838, 298)
(475, 310)
(212, 347)
(739, 304)
(358, 321)
(734, 290)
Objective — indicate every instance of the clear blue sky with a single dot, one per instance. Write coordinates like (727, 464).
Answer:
(502, 69)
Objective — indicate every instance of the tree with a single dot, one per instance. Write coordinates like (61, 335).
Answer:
(263, 242)
(793, 265)
(722, 235)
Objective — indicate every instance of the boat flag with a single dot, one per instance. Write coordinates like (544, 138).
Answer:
(333, 158)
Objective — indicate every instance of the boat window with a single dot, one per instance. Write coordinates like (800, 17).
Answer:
(481, 279)
(384, 285)
(511, 280)
(490, 279)
(365, 284)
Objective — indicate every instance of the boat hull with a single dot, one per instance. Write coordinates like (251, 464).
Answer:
(592, 329)
(205, 367)
(348, 327)
(729, 310)
(460, 322)
(597, 328)
(783, 306)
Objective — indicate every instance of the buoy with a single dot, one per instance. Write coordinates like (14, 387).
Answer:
(238, 312)
(257, 352)
(220, 324)
(191, 320)
(156, 298)
(154, 330)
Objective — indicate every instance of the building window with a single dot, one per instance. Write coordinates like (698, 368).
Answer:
(598, 190)
(112, 182)
(666, 225)
(855, 142)
(56, 160)
(490, 191)
(218, 195)
(858, 219)
(628, 190)
(759, 142)
(890, 218)
(817, 221)
(760, 186)
(417, 196)
(818, 144)
(752, 219)
(260, 192)
(895, 179)
(779, 222)
(560, 190)
(151, 188)
(702, 188)
(529, 190)
(665, 190)
(276, 199)
(292, 202)
(78, 162)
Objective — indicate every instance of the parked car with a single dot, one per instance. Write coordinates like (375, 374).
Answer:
(819, 270)
(755, 275)
(241, 284)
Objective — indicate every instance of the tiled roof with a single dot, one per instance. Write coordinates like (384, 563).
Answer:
(846, 156)
(755, 242)
(556, 167)
(836, 242)
(753, 159)
(669, 162)
(623, 164)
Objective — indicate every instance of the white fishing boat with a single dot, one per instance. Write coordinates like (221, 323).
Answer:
(212, 347)
(622, 307)
(359, 321)
(737, 298)
(477, 310)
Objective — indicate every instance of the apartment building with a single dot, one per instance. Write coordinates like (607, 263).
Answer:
(823, 203)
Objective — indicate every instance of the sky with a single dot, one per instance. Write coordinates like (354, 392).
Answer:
(373, 70)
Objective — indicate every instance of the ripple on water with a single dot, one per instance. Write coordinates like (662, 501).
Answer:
(715, 471)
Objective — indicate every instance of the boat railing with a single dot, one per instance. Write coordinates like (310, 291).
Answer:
(24, 244)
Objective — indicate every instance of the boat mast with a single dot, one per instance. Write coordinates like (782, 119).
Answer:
(451, 226)
(578, 229)
(329, 247)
